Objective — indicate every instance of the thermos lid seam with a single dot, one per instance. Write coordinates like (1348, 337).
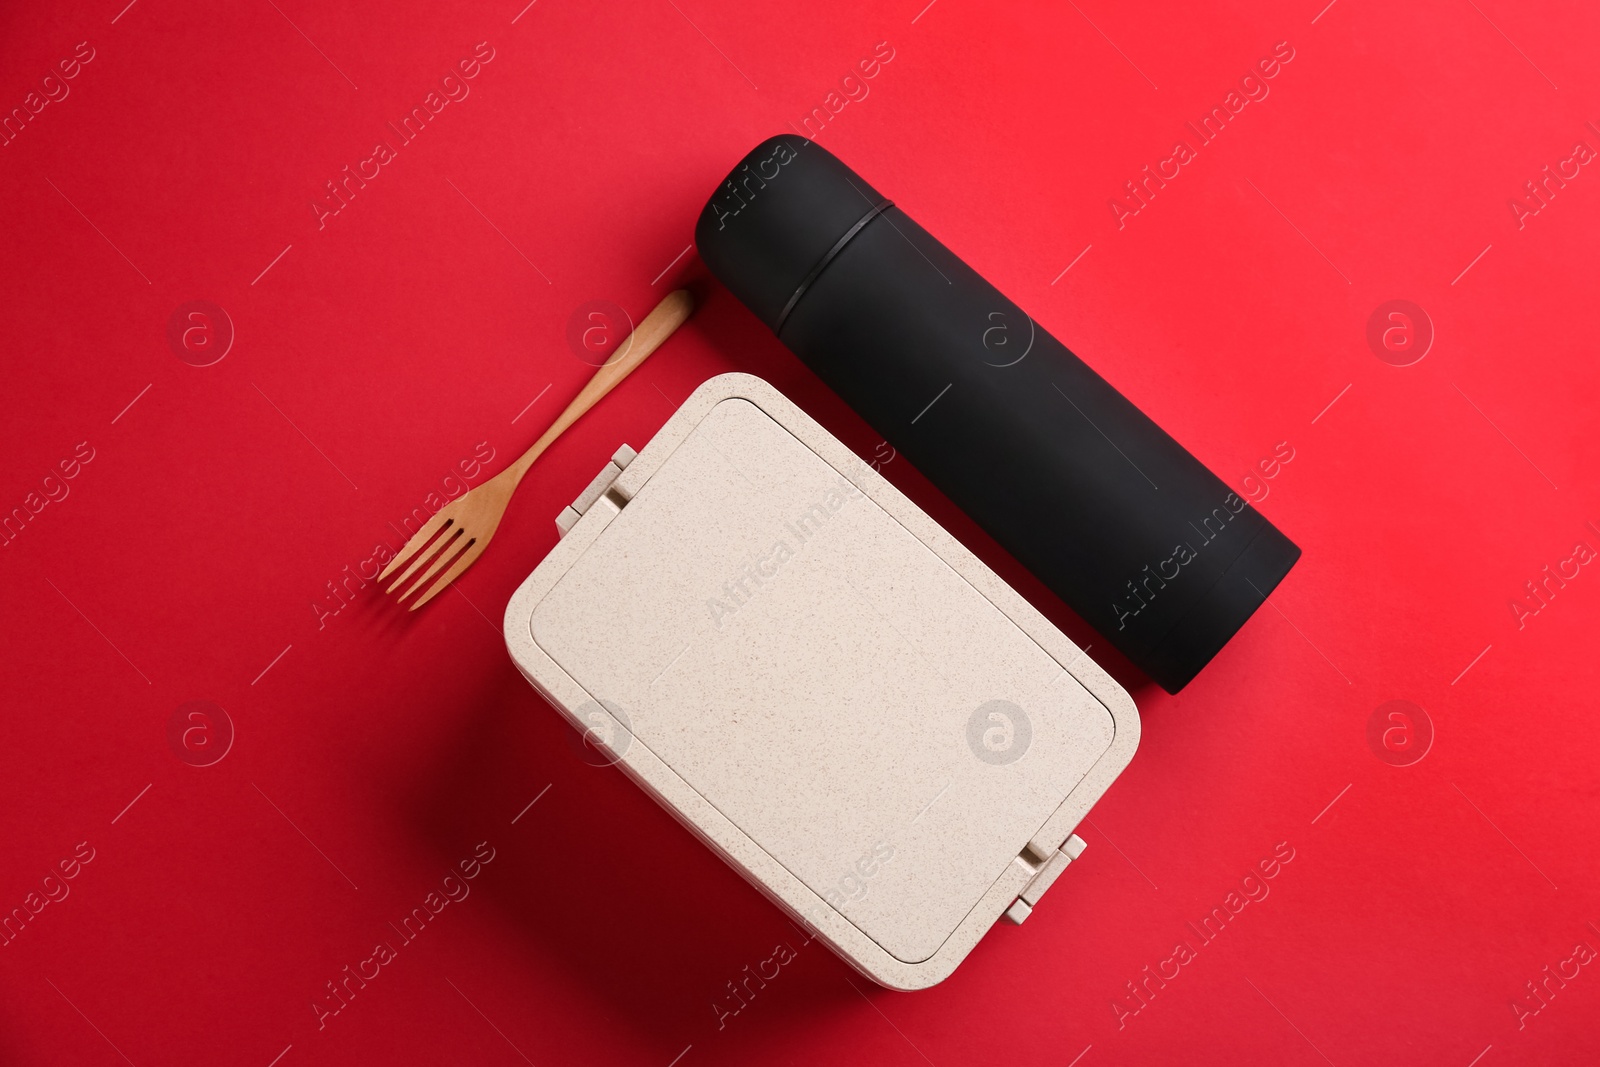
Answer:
(822, 264)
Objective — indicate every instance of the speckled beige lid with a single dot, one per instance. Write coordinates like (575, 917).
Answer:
(854, 711)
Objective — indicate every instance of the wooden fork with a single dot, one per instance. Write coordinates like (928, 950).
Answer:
(459, 533)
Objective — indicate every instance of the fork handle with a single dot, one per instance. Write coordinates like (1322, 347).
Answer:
(656, 327)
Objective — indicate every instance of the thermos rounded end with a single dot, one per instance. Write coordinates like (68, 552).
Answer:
(776, 220)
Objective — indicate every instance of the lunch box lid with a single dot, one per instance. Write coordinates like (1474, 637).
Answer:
(818, 680)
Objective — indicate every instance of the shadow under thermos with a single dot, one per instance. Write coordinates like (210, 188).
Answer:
(1135, 534)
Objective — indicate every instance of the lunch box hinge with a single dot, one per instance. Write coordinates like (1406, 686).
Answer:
(600, 487)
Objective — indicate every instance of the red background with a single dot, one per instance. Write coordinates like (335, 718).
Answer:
(375, 749)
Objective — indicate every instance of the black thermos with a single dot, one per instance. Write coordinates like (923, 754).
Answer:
(1128, 528)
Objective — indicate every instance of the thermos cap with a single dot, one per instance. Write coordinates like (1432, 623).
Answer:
(777, 220)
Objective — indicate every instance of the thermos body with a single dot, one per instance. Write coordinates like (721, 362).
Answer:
(1126, 526)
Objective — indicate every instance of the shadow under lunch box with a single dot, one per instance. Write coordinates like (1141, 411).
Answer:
(806, 670)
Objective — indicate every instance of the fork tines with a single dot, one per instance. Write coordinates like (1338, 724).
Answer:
(435, 546)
